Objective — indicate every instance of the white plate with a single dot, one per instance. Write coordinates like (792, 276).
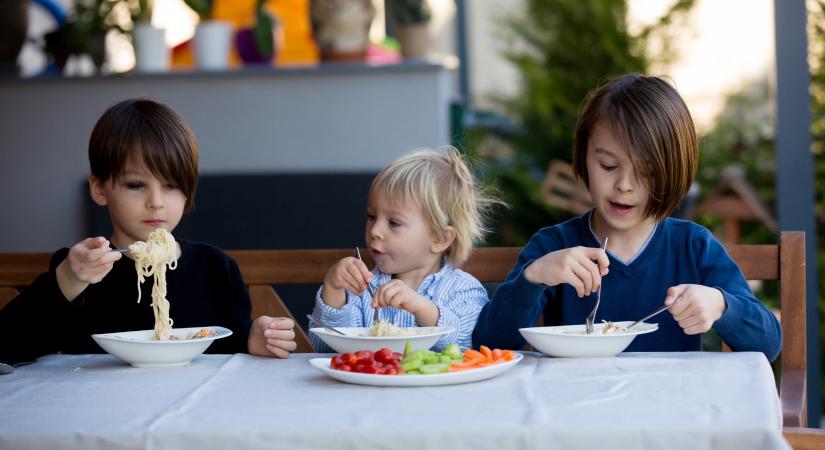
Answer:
(138, 349)
(436, 379)
(571, 341)
(358, 338)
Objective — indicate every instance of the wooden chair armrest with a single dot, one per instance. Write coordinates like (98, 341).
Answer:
(792, 394)
(804, 438)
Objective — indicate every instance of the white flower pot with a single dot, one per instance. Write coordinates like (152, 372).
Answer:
(151, 53)
(212, 41)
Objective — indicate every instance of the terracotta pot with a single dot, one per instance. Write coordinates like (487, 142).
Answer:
(341, 28)
(414, 39)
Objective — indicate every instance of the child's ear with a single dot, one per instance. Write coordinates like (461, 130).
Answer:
(442, 243)
(96, 190)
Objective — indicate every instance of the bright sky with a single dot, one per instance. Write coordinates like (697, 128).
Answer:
(731, 43)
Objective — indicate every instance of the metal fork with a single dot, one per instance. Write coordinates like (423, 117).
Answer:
(369, 287)
(588, 323)
(333, 329)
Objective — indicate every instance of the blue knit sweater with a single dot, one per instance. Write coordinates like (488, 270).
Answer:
(679, 252)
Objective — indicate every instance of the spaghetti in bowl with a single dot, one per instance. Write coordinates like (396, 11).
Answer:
(139, 349)
(359, 338)
(570, 341)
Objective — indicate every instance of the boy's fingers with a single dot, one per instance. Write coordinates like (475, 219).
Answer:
(364, 271)
(280, 343)
(674, 292)
(598, 255)
(585, 279)
(357, 278)
(577, 284)
(277, 351)
(282, 323)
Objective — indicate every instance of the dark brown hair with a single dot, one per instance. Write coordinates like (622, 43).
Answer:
(649, 118)
(148, 132)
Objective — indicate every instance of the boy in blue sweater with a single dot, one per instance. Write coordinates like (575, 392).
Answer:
(636, 151)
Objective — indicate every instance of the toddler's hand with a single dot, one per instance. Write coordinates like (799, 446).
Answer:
(397, 294)
(348, 274)
(272, 336)
(88, 262)
(574, 266)
(699, 308)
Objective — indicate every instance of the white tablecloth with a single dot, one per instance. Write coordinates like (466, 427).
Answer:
(635, 401)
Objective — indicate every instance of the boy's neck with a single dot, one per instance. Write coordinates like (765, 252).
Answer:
(415, 277)
(623, 243)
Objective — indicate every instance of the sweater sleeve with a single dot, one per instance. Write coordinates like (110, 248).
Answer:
(516, 303)
(746, 324)
(241, 306)
(30, 325)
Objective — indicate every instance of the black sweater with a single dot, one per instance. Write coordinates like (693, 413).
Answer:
(205, 289)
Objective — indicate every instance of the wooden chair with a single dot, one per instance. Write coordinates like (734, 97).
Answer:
(805, 438)
(263, 269)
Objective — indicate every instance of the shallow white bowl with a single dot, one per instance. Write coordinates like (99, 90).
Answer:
(358, 338)
(138, 349)
(571, 341)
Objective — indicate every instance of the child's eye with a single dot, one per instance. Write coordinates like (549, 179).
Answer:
(394, 223)
(170, 186)
(134, 185)
(608, 168)
(370, 217)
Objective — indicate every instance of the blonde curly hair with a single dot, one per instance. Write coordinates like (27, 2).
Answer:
(442, 184)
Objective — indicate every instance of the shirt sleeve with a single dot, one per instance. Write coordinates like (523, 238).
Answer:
(517, 302)
(746, 324)
(30, 325)
(348, 315)
(459, 310)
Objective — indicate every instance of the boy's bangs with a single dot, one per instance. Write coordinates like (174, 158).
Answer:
(397, 190)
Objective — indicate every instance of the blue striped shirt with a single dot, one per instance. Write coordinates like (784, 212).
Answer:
(458, 295)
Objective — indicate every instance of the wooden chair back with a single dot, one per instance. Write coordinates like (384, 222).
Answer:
(263, 269)
(805, 438)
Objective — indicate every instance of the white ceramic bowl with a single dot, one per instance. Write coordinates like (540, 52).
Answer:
(358, 338)
(571, 341)
(138, 349)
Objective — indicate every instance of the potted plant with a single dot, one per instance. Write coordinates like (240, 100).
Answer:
(257, 44)
(83, 32)
(151, 52)
(411, 20)
(212, 37)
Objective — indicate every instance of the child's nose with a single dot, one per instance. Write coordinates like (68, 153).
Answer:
(155, 199)
(626, 182)
(375, 232)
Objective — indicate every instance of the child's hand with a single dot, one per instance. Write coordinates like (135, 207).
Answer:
(272, 336)
(699, 308)
(397, 294)
(574, 266)
(88, 262)
(348, 274)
